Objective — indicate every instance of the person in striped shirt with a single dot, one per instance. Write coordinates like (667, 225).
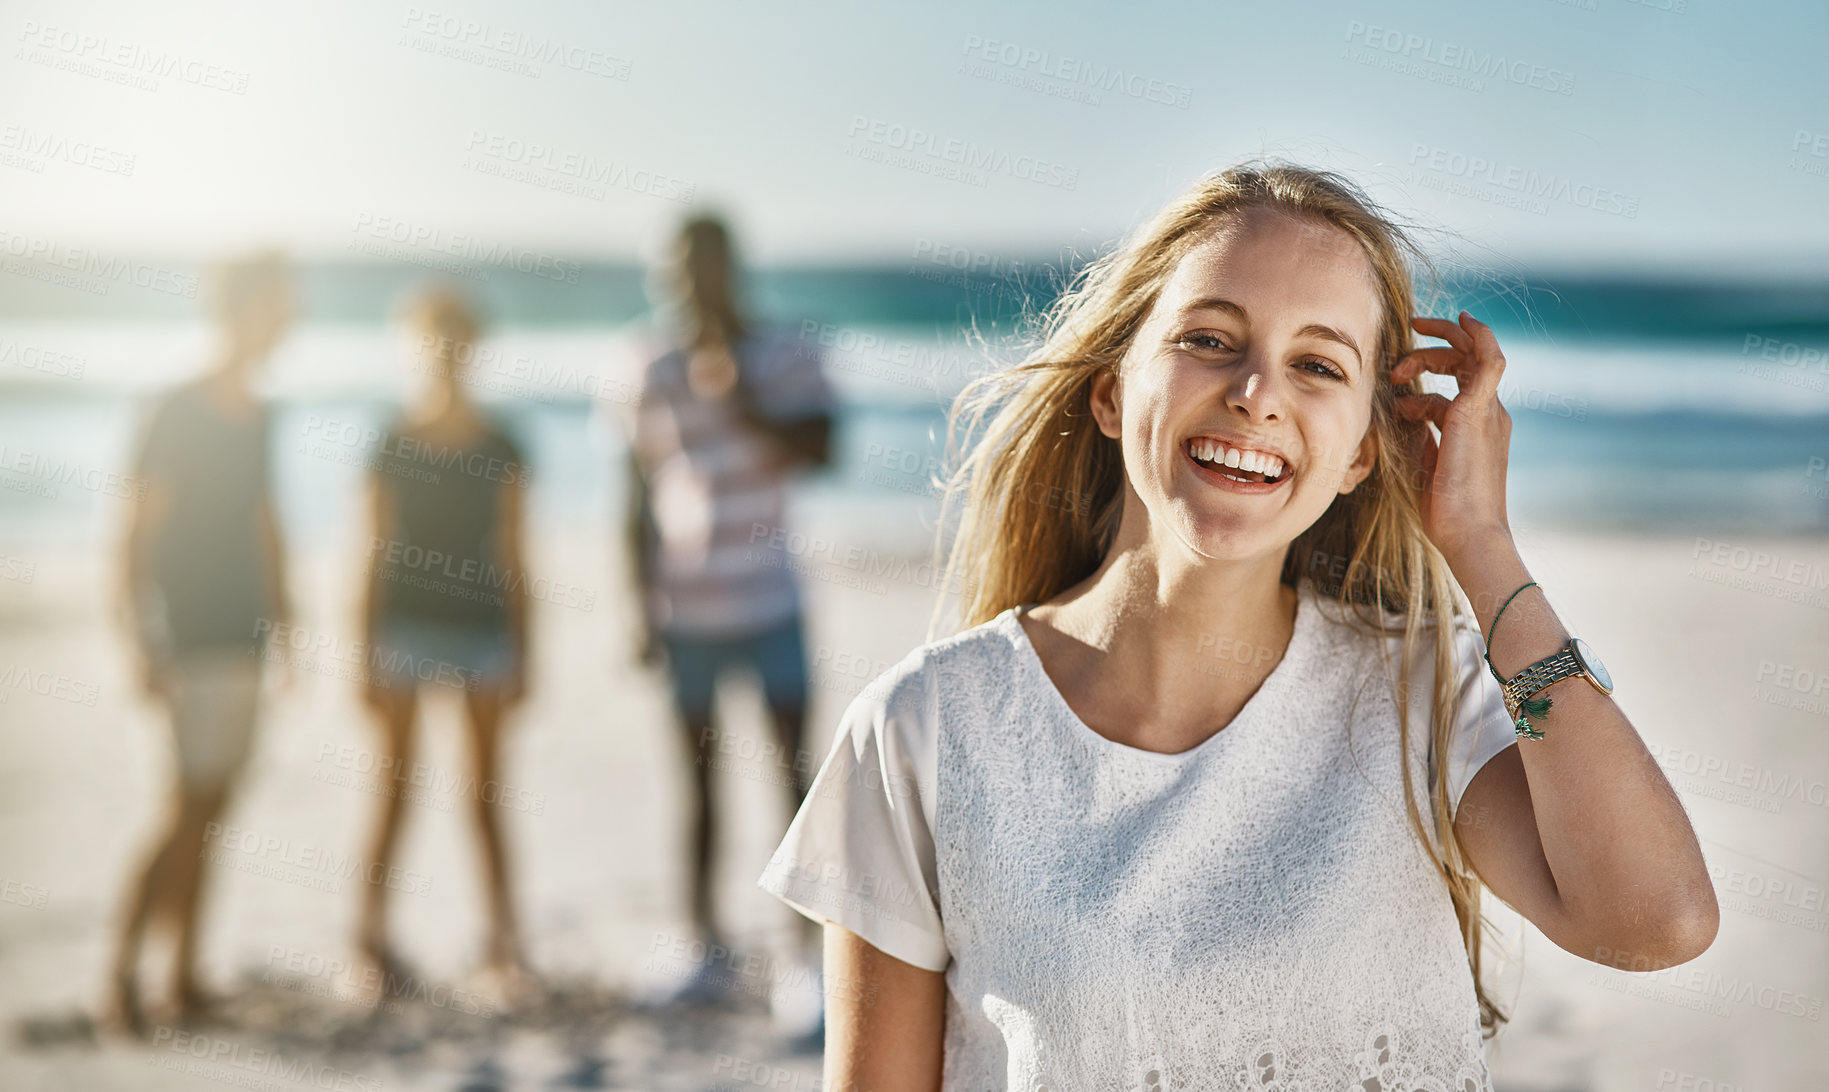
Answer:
(729, 409)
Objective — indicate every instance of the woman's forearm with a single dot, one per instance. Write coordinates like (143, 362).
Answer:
(1629, 875)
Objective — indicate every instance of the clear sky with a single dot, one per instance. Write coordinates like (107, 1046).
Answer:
(1646, 134)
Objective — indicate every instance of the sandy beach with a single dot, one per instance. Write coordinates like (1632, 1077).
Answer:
(1717, 648)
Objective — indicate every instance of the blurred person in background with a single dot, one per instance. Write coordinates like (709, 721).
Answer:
(204, 581)
(446, 608)
(729, 410)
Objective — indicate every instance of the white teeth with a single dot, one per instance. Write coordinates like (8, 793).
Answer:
(1257, 462)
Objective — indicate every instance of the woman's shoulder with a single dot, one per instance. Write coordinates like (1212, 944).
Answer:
(498, 432)
(395, 422)
(1369, 625)
(1360, 650)
(1357, 643)
(895, 723)
(970, 667)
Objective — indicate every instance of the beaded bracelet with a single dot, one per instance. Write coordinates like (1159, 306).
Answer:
(1529, 707)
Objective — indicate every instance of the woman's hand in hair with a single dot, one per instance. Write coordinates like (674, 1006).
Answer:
(1463, 475)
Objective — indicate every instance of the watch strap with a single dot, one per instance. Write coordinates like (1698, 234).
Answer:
(1518, 691)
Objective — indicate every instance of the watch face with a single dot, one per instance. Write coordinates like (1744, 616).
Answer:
(1593, 665)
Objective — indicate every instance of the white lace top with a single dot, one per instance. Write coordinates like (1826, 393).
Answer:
(1253, 913)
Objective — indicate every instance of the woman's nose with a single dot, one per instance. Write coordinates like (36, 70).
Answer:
(1254, 386)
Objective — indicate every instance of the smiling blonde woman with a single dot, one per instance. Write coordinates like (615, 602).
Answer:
(1152, 821)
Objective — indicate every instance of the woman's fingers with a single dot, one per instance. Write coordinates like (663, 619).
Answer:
(1423, 407)
(1448, 331)
(1440, 359)
(1472, 356)
(1489, 361)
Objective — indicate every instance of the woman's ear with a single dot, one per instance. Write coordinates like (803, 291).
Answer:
(1365, 460)
(1106, 396)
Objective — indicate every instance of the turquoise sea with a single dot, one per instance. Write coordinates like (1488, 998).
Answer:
(1638, 402)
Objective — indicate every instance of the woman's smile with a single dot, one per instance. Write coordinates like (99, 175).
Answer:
(1236, 479)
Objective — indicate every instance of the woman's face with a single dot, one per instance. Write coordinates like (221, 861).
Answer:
(439, 347)
(1264, 341)
(702, 270)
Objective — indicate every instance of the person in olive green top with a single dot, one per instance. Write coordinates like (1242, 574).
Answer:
(446, 607)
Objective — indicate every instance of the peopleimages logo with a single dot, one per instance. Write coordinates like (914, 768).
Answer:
(1077, 72)
(964, 154)
(212, 1058)
(46, 684)
(87, 269)
(398, 454)
(43, 475)
(514, 50)
(386, 236)
(777, 543)
(1523, 181)
(250, 851)
(120, 61)
(37, 358)
(31, 148)
(587, 170)
(1450, 56)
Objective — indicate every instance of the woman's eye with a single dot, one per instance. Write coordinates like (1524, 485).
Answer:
(1210, 343)
(1326, 368)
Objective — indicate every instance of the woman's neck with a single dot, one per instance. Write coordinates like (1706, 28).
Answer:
(227, 385)
(443, 405)
(1160, 653)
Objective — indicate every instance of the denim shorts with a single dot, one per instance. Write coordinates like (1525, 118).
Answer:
(776, 655)
(467, 657)
(215, 697)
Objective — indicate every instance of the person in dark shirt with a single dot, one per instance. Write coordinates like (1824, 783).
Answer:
(204, 583)
(446, 606)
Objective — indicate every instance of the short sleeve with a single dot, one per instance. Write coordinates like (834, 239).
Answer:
(788, 371)
(514, 469)
(860, 852)
(1482, 727)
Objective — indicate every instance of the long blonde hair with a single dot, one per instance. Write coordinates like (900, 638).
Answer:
(1041, 489)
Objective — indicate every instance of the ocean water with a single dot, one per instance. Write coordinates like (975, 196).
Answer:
(1636, 405)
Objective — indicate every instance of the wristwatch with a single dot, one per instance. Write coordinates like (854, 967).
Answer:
(1573, 658)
